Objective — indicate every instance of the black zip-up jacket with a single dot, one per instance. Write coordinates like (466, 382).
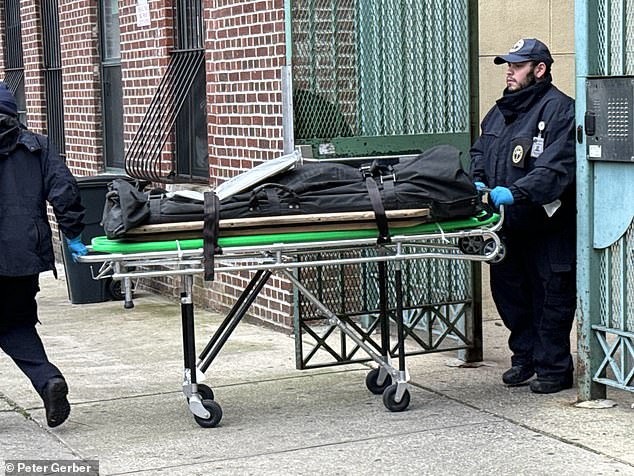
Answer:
(32, 173)
(502, 155)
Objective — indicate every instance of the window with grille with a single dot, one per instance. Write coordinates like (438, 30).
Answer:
(111, 85)
(53, 74)
(179, 107)
(192, 148)
(13, 58)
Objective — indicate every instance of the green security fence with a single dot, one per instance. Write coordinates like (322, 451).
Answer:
(381, 76)
(605, 49)
(376, 78)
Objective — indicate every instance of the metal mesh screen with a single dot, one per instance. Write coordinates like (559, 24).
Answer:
(436, 303)
(617, 284)
(615, 38)
(613, 54)
(380, 68)
(371, 73)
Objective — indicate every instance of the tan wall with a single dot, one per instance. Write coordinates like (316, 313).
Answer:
(503, 22)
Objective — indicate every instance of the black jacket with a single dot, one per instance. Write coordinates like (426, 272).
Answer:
(32, 173)
(508, 129)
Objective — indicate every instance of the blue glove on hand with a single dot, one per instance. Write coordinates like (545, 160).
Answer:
(479, 185)
(76, 247)
(501, 196)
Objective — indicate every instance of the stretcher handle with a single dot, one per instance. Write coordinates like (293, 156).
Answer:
(254, 204)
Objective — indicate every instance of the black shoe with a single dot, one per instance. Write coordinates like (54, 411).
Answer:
(55, 401)
(517, 375)
(540, 385)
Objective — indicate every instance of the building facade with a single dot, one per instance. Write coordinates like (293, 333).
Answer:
(107, 78)
(191, 91)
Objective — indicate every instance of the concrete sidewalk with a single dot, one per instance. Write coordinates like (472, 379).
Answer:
(124, 371)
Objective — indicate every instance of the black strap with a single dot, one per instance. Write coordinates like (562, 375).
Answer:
(211, 229)
(155, 207)
(379, 210)
(389, 192)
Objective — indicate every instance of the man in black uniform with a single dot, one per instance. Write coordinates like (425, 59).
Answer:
(31, 173)
(526, 155)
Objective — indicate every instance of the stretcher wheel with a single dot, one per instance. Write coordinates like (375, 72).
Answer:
(371, 381)
(215, 414)
(471, 245)
(489, 246)
(389, 399)
(115, 288)
(205, 392)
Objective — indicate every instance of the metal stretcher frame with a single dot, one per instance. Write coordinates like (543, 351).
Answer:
(473, 239)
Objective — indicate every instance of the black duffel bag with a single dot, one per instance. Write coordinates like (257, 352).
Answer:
(127, 206)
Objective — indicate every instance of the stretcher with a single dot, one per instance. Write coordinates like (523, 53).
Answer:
(473, 239)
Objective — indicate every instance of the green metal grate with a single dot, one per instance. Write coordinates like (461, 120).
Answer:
(373, 78)
(611, 348)
(396, 69)
(437, 306)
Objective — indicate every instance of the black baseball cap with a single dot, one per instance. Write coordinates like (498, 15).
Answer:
(527, 49)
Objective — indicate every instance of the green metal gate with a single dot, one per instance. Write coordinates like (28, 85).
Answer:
(604, 33)
(382, 76)
(377, 78)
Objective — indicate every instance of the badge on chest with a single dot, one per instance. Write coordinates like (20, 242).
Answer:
(520, 149)
(523, 148)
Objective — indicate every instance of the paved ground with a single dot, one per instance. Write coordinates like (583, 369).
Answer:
(124, 371)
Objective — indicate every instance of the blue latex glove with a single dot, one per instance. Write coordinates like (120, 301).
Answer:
(76, 247)
(501, 196)
(479, 185)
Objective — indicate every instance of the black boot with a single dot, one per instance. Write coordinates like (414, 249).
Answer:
(543, 385)
(518, 374)
(55, 401)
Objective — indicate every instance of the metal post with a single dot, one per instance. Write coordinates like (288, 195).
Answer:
(589, 353)
(474, 325)
(287, 109)
(187, 317)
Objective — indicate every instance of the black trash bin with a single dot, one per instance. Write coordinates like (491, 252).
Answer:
(82, 288)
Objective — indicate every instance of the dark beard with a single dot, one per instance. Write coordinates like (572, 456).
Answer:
(530, 79)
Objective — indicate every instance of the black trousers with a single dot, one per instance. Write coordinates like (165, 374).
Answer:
(534, 290)
(18, 337)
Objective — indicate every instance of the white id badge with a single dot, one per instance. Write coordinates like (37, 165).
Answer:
(538, 146)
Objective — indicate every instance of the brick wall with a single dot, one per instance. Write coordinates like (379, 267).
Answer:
(247, 44)
(81, 83)
(144, 59)
(246, 50)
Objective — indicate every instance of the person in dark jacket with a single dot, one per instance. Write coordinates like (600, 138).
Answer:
(526, 156)
(32, 174)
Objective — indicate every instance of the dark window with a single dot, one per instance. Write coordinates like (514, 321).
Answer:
(191, 151)
(192, 156)
(112, 91)
(178, 109)
(14, 63)
(111, 42)
(53, 74)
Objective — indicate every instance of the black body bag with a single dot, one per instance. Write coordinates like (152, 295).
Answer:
(434, 179)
